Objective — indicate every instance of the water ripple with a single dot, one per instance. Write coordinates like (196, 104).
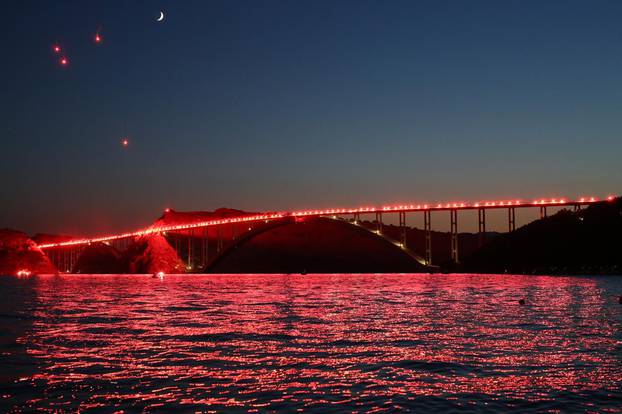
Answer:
(321, 343)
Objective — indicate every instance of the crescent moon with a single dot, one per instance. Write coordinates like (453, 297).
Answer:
(159, 19)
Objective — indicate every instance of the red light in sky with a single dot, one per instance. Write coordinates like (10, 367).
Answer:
(56, 48)
(98, 38)
(64, 61)
(125, 142)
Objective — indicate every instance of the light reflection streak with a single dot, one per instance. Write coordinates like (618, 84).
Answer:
(314, 342)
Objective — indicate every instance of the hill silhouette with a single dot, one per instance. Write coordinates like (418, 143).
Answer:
(585, 241)
(19, 252)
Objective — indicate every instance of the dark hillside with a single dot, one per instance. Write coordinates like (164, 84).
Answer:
(587, 241)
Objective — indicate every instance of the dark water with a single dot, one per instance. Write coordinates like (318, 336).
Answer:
(321, 343)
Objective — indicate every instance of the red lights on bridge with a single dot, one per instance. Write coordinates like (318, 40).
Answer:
(163, 229)
(588, 200)
(553, 201)
(265, 217)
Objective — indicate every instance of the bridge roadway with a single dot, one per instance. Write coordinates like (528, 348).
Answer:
(401, 209)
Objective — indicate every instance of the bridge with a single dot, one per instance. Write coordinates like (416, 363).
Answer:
(64, 254)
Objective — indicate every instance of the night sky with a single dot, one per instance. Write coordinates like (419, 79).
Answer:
(278, 105)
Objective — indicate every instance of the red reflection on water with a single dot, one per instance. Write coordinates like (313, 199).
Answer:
(309, 342)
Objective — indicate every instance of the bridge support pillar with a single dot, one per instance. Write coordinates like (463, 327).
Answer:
(204, 247)
(427, 225)
(190, 248)
(481, 218)
(402, 219)
(511, 219)
(379, 222)
(219, 239)
(357, 218)
(577, 207)
(454, 235)
(177, 245)
(543, 212)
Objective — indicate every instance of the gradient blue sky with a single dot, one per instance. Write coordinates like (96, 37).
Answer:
(266, 105)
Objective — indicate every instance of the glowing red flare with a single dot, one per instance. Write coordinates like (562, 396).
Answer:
(98, 38)
(64, 61)
(125, 142)
(56, 48)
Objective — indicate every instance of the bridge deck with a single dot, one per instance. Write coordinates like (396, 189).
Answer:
(483, 205)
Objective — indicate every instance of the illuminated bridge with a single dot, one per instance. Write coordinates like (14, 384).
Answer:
(196, 233)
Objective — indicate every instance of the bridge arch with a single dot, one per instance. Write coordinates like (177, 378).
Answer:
(314, 245)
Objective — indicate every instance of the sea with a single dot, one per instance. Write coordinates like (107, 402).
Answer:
(321, 343)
